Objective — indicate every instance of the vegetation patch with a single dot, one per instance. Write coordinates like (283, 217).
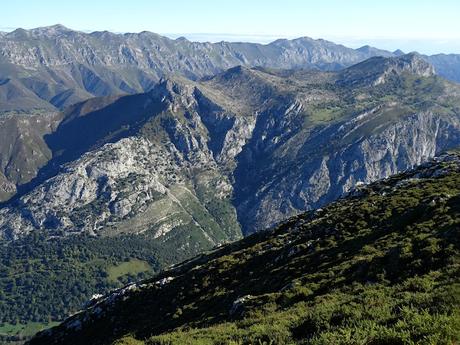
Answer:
(131, 267)
(12, 333)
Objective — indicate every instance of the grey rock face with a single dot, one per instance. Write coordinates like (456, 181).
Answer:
(58, 46)
(158, 177)
(378, 70)
(54, 67)
(118, 189)
(323, 178)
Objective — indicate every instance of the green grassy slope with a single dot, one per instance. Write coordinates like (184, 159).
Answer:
(381, 266)
(17, 333)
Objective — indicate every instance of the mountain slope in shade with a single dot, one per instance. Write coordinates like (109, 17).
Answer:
(265, 144)
(379, 266)
(54, 67)
(447, 65)
(23, 151)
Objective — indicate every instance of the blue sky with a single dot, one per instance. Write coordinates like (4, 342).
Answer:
(422, 25)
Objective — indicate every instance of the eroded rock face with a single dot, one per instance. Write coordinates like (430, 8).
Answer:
(378, 70)
(54, 67)
(161, 180)
(129, 186)
(60, 46)
(320, 179)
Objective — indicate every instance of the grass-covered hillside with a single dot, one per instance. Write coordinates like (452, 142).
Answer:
(381, 266)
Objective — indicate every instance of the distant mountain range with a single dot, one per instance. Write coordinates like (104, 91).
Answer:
(54, 67)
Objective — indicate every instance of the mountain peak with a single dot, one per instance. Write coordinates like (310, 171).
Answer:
(239, 69)
(411, 59)
(303, 41)
(234, 74)
(18, 33)
(56, 27)
(50, 30)
(171, 88)
(235, 71)
(181, 39)
(377, 70)
(369, 51)
(413, 63)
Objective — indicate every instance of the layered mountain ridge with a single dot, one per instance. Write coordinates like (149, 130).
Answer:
(257, 144)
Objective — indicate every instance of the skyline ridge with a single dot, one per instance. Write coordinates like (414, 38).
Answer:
(194, 37)
(389, 25)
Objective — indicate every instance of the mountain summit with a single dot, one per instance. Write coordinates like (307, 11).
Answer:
(378, 70)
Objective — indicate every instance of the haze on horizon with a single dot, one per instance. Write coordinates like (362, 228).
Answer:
(425, 26)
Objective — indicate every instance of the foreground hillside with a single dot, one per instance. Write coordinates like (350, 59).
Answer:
(381, 266)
